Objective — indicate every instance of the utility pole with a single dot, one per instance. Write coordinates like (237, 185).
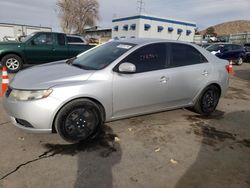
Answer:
(140, 6)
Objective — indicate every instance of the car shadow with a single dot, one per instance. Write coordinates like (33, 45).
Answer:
(243, 74)
(96, 158)
(223, 159)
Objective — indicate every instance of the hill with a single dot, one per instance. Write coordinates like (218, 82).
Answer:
(232, 27)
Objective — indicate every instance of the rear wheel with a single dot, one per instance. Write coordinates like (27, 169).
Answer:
(78, 120)
(239, 61)
(12, 62)
(208, 101)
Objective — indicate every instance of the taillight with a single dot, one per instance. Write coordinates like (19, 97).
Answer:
(229, 67)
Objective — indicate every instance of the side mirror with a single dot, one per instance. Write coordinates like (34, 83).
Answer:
(127, 68)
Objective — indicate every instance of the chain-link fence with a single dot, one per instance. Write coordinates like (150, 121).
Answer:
(240, 38)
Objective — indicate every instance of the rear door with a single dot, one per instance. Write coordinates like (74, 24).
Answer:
(145, 90)
(188, 72)
(39, 49)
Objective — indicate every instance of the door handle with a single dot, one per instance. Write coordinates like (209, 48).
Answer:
(164, 79)
(205, 73)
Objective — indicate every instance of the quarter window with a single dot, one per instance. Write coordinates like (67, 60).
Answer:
(183, 55)
(148, 58)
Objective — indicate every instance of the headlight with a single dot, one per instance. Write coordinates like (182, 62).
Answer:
(22, 95)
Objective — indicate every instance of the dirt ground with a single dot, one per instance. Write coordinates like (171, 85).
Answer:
(171, 149)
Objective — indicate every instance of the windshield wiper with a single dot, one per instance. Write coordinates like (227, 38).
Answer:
(81, 66)
(70, 61)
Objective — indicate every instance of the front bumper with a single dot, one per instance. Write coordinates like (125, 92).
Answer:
(39, 114)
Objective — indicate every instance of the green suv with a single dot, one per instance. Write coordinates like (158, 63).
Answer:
(38, 48)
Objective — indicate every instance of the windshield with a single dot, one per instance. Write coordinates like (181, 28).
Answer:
(28, 37)
(101, 56)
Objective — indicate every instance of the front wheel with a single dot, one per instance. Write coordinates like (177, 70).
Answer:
(208, 101)
(12, 62)
(78, 120)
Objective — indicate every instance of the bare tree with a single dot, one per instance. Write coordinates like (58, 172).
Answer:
(76, 15)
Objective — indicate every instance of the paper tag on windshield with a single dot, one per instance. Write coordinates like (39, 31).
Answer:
(124, 46)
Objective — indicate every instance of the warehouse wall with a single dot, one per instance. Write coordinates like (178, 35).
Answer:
(19, 30)
(153, 31)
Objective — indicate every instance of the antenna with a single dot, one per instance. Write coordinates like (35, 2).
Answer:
(140, 6)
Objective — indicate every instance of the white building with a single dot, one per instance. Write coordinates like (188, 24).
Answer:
(145, 26)
(17, 30)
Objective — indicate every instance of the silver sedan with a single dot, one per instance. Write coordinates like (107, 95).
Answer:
(116, 80)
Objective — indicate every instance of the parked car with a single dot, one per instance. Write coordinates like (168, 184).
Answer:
(227, 51)
(8, 38)
(247, 48)
(116, 80)
(37, 48)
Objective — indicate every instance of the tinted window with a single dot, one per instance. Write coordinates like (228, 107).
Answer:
(236, 47)
(227, 48)
(183, 55)
(61, 39)
(148, 58)
(44, 39)
(74, 40)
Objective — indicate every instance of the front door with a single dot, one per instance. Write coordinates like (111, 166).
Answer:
(146, 90)
(39, 49)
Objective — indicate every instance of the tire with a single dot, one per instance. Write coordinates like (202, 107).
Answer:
(78, 120)
(12, 62)
(208, 101)
(239, 61)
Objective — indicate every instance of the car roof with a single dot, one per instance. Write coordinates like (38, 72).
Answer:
(141, 41)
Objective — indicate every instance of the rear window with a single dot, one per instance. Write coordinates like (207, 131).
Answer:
(183, 55)
(74, 40)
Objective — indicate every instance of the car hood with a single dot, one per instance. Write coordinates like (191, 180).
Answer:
(47, 76)
(10, 43)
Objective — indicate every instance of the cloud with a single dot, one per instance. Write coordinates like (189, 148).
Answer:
(203, 12)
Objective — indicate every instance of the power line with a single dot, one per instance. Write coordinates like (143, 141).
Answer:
(141, 6)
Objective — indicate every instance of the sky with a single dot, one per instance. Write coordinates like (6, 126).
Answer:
(204, 12)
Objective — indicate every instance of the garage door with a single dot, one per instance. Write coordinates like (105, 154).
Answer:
(6, 31)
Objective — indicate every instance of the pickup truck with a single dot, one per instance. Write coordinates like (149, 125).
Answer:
(38, 48)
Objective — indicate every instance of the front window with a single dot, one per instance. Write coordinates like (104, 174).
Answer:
(43, 39)
(148, 58)
(100, 57)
